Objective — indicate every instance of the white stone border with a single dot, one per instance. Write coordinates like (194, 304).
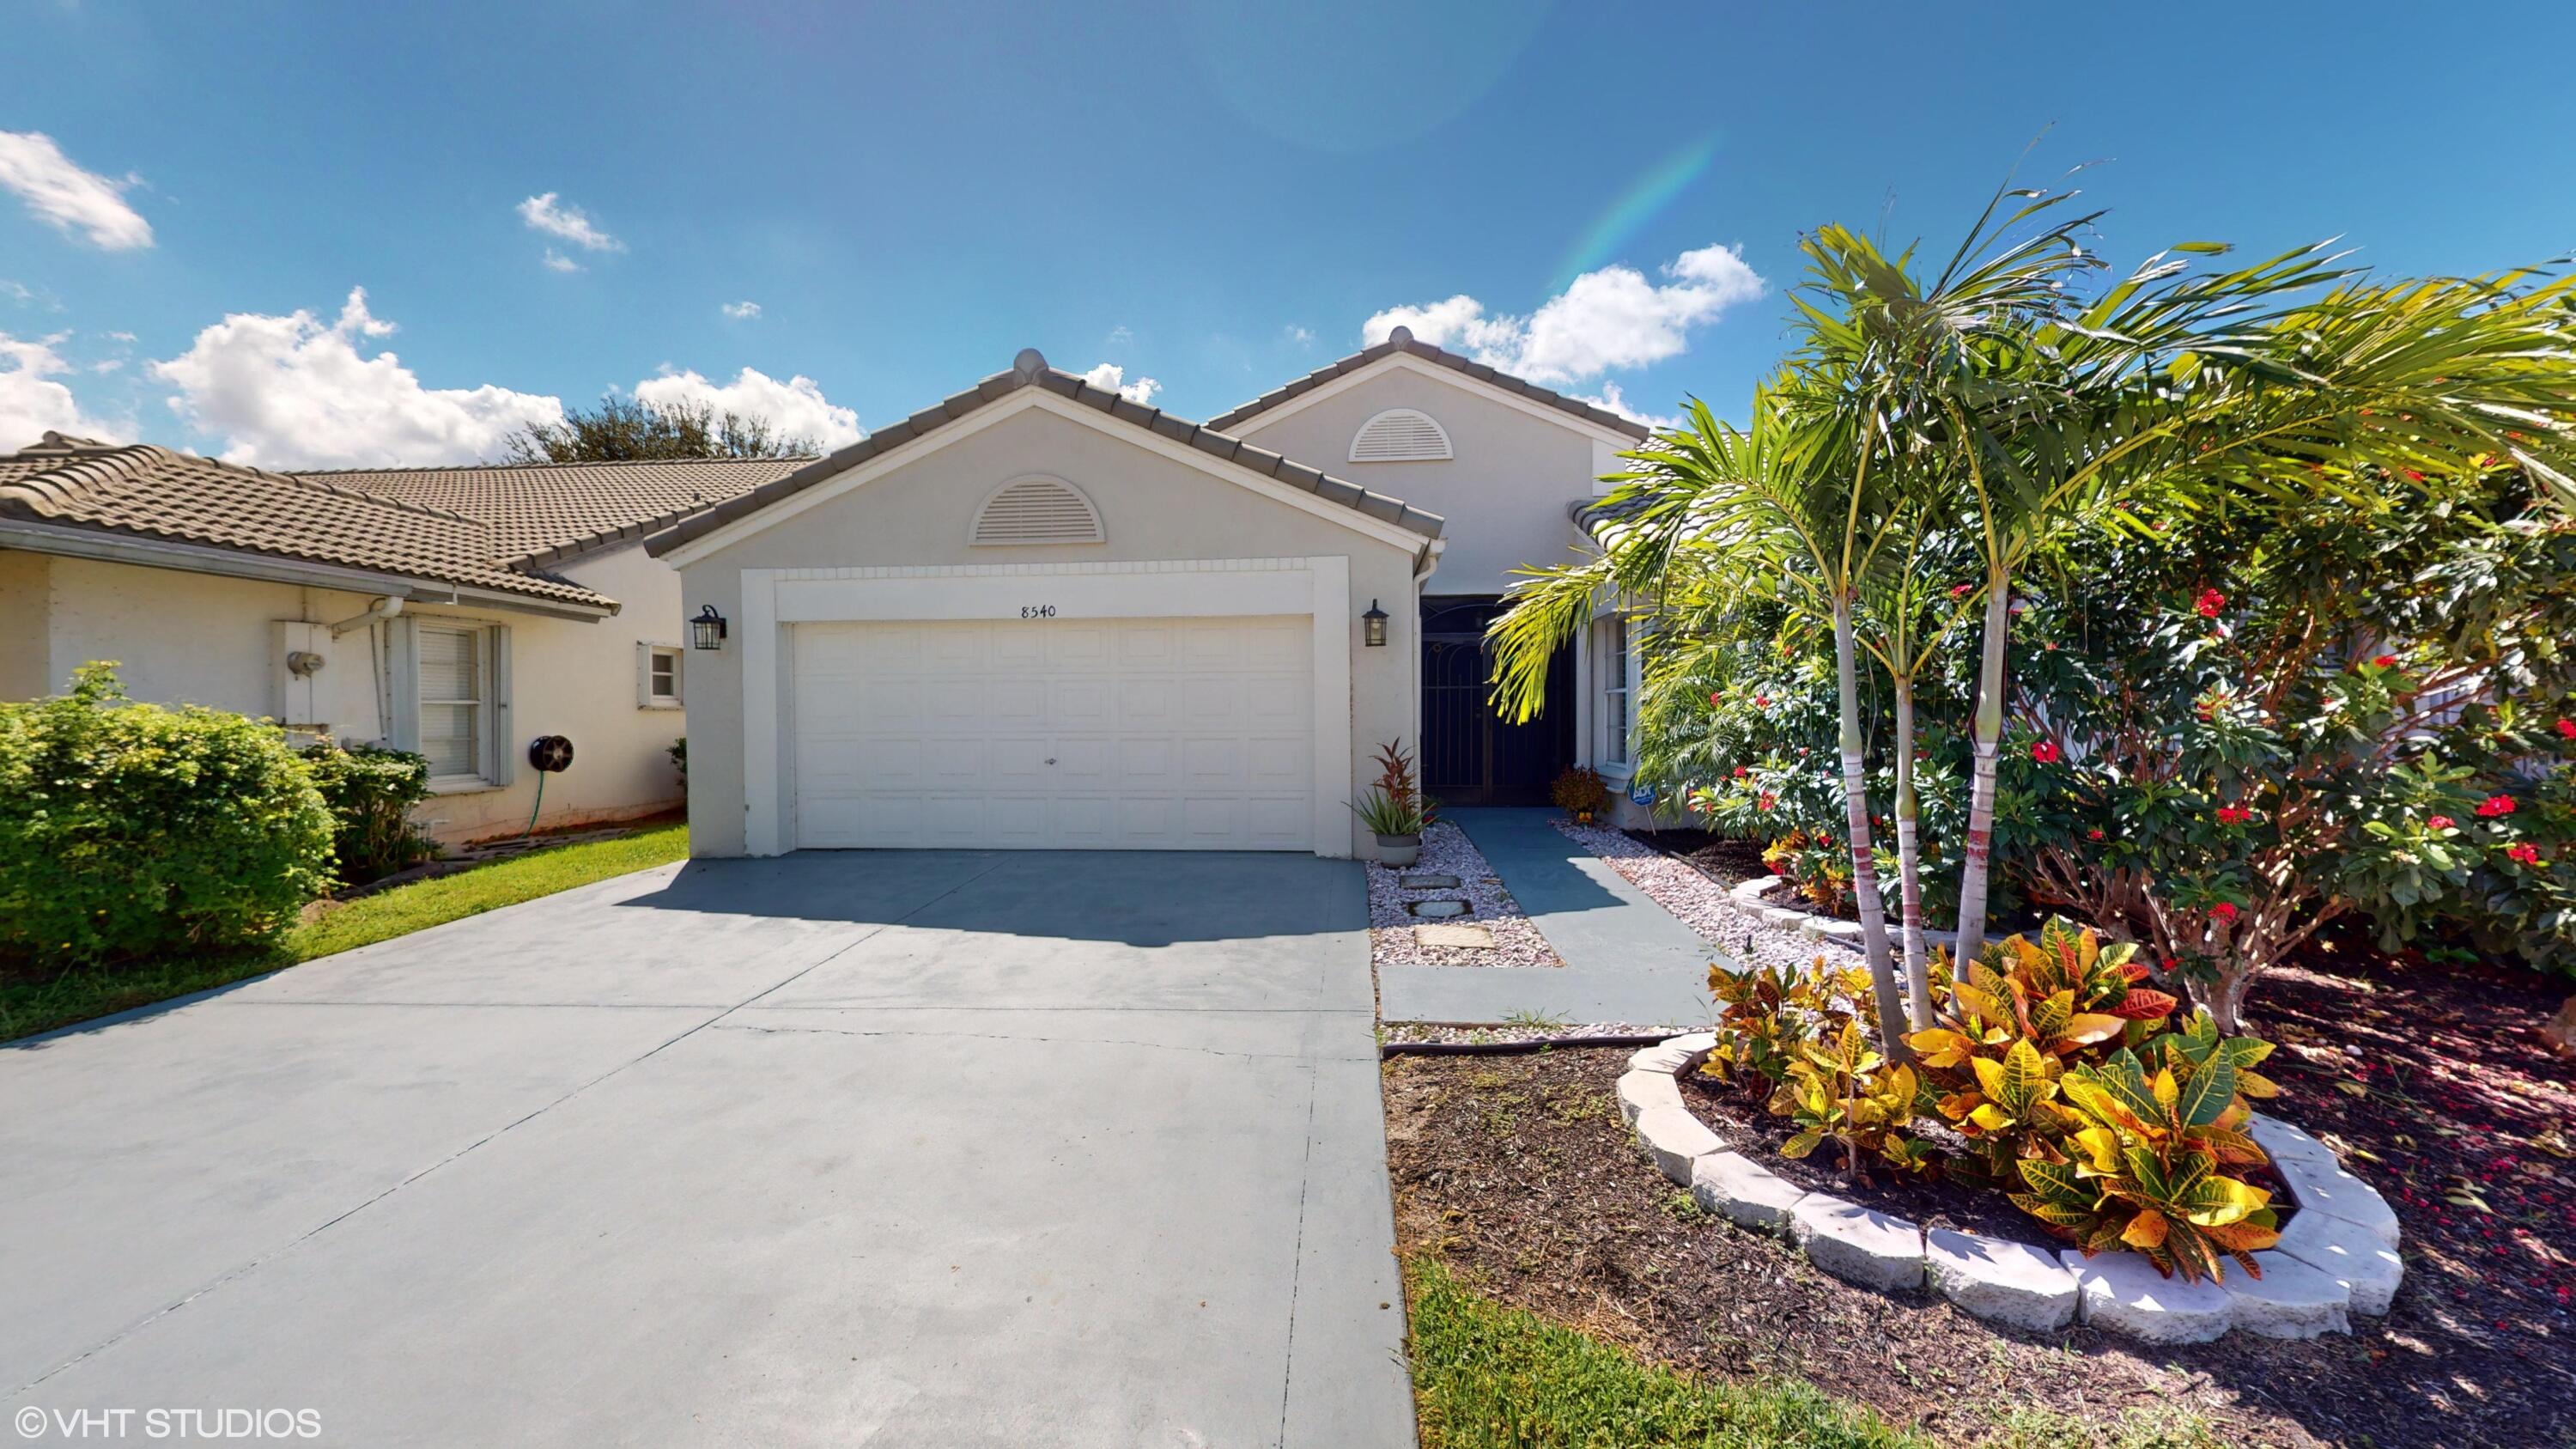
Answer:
(2338, 1256)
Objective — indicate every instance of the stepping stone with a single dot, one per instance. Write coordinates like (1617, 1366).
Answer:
(2124, 1291)
(1471, 938)
(1426, 882)
(2290, 1300)
(1857, 1244)
(2348, 1253)
(2001, 1282)
(1744, 1192)
(1438, 908)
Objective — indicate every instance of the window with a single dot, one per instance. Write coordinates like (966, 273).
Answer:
(450, 687)
(1610, 663)
(657, 676)
(1400, 435)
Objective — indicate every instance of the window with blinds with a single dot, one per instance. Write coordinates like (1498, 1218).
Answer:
(1612, 663)
(1400, 435)
(455, 675)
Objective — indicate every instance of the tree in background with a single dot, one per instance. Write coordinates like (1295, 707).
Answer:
(625, 430)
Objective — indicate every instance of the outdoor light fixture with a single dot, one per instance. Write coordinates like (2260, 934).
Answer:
(1373, 626)
(708, 629)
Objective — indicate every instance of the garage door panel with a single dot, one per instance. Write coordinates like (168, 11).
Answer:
(1147, 734)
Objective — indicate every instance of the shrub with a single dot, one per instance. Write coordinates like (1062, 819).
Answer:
(2068, 1088)
(129, 828)
(370, 791)
(1395, 805)
(1579, 790)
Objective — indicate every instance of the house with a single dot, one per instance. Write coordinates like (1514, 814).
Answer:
(459, 612)
(1041, 615)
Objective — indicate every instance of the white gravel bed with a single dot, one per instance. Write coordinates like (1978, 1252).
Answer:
(1418, 1031)
(1703, 903)
(1446, 850)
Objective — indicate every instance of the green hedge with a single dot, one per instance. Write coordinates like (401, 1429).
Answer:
(370, 790)
(128, 829)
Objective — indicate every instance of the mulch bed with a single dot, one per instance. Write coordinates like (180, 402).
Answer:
(1722, 856)
(1518, 1171)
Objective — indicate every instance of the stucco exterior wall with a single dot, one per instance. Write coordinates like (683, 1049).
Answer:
(182, 637)
(1504, 494)
(1153, 508)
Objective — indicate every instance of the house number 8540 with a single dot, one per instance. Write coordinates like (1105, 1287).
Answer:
(1037, 611)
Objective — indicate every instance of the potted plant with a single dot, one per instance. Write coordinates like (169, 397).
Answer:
(1394, 808)
(1580, 792)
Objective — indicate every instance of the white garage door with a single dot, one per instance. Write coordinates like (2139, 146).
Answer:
(1056, 734)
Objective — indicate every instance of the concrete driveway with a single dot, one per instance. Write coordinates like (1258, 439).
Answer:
(934, 1148)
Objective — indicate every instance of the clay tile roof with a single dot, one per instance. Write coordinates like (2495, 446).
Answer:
(1031, 370)
(1402, 340)
(154, 492)
(549, 512)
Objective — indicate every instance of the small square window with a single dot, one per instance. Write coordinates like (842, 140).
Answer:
(657, 676)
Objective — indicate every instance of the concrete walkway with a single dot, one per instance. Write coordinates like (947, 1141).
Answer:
(1626, 958)
(912, 1148)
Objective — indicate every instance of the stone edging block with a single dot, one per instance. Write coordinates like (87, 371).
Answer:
(2124, 1291)
(1857, 1244)
(1744, 1192)
(2001, 1282)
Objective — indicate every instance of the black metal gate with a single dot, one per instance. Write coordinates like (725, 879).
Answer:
(1470, 754)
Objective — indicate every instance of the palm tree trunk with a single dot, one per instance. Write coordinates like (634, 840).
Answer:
(1909, 862)
(1987, 737)
(1873, 914)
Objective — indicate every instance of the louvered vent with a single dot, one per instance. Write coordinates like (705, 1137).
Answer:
(1400, 435)
(1037, 510)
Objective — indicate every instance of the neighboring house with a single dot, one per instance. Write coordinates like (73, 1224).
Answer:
(459, 612)
(1041, 615)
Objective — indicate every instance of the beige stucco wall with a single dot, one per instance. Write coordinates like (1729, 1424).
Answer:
(1152, 507)
(205, 639)
(1504, 495)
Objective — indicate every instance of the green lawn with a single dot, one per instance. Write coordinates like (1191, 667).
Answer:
(1490, 1377)
(32, 1005)
(1486, 1376)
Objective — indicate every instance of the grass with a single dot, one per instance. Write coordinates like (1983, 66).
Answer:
(1490, 1377)
(32, 1005)
(1487, 1376)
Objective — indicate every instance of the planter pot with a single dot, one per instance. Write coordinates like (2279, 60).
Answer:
(1399, 849)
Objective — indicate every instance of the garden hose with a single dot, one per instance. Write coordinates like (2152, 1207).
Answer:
(533, 809)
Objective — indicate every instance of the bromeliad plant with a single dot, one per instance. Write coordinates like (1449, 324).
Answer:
(1395, 805)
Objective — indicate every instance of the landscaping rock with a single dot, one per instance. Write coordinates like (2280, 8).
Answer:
(1744, 1192)
(2000, 1282)
(1673, 1138)
(2348, 1253)
(1857, 1244)
(2287, 1143)
(1638, 1091)
(2123, 1291)
(1755, 889)
(2324, 1187)
(2290, 1300)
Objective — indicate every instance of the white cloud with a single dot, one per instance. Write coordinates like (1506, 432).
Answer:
(795, 407)
(32, 403)
(742, 311)
(1113, 377)
(297, 392)
(1304, 336)
(72, 199)
(557, 261)
(1612, 400)
(1119, 336)
(542, 213)
(1612, 318)
(16, 292)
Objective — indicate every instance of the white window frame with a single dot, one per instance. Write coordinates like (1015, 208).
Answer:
(1615, 655)
(646, 651)
(495, 765)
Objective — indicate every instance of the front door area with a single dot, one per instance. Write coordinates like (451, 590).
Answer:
(1470, 754)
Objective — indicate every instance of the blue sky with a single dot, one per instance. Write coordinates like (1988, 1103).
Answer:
(1213, 200)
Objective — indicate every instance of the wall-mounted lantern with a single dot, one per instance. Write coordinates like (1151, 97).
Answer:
(707, 631)
(1373, 626)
